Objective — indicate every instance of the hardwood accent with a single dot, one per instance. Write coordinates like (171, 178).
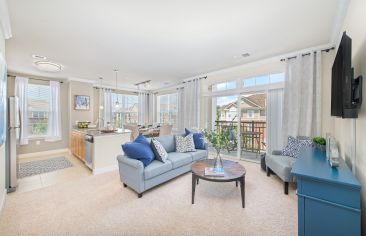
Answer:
(77, 145)
(234, 172)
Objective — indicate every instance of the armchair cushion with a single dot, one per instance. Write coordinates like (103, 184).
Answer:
(294, 146)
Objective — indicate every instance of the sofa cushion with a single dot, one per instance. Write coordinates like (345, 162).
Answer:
(281, 165)
(198, 155)
(184, 144)
(157, 168)
(198, 138)
(179, 159)
(141, 139)
(168, 142)
(159, 150)
(138, 151)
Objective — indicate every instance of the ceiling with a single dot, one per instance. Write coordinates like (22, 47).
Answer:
(162, 40)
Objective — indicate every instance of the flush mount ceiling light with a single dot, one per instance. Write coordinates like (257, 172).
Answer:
(241, 56)
(48, 66)
(245, 55)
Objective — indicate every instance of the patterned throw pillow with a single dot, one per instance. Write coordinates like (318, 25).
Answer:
(159, 150)
(294, 146)
(185, 144)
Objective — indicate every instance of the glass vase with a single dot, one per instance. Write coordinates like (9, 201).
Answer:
(218, 161)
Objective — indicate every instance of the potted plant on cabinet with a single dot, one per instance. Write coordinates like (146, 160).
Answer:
(320, 143)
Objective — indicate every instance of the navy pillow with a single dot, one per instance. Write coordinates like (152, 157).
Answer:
(139, 151)
(198, 139)
(141, 139)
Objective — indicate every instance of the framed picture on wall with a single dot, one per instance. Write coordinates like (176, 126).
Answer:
(82, 102)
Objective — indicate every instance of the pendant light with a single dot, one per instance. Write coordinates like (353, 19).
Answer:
(101, 107)
(117, 102)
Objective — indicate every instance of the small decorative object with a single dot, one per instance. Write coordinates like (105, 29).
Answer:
(82, 102)
(320, 143)
(217, 139)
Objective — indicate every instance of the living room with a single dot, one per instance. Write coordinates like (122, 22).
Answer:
(182, 118)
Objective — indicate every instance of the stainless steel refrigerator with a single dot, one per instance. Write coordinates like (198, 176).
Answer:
(13, 126)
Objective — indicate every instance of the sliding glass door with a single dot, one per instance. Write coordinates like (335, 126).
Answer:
(253, 125)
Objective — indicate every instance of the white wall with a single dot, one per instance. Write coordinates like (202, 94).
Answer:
(354, 24)
(2, 148)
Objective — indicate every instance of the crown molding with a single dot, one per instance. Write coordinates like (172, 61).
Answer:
(5, 20)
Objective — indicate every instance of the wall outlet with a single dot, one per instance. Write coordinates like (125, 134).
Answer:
(38, 142)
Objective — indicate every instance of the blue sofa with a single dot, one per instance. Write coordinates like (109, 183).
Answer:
(134, 175)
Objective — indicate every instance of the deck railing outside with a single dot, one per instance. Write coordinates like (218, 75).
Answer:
(253, 133)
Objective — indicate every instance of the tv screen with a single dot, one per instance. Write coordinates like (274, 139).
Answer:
(342, 81)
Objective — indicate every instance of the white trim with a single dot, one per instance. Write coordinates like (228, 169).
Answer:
(5, 20)
(2, 200)
(105, 170)
(44, 153)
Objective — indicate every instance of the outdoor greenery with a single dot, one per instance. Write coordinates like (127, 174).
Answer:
(217, 138)
(39, 129)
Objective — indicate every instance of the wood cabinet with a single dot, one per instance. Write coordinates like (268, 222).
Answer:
(77, 144)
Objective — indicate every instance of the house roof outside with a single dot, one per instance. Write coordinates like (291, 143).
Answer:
(256, 101)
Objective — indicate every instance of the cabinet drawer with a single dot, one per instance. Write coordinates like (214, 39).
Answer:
(328, 191)
(321, 218)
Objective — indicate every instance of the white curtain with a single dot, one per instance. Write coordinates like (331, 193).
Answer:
(54, 113)
(21, 90)
(146, 108)
(302, 101)
(191, 106)
(180, 119)
(105, 107)
(274, 135)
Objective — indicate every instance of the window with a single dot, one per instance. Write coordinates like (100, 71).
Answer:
(38, 102)
(167, 109)
(224, 86)
(127, 111)
(250, 114)
(264, 80)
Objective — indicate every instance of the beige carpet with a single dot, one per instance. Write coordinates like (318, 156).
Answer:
(99, 205)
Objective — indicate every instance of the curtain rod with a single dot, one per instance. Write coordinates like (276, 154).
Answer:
(47, 80)
(203, 77)
(115, 90)
(307, 54)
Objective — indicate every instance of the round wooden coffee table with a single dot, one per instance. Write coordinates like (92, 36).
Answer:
(233, 172)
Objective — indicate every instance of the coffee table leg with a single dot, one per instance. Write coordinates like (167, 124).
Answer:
(193, 186)
(242, 187)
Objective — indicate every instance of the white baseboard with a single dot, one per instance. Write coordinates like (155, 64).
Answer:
(2, 200)
(105, 170)
(44, 153)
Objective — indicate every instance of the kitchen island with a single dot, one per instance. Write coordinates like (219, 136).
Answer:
(96, 149)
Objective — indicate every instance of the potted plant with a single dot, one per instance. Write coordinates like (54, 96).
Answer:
(320, 143)
(218, 140)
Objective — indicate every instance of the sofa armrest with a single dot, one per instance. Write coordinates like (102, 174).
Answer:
(130, 162)
(276, 152)
(131, 173)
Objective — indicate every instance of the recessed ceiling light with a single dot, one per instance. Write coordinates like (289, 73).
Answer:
(39, 57)
(48, 66)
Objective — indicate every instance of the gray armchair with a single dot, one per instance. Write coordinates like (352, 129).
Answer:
(281, 166)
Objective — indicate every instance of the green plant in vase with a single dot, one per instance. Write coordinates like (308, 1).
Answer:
(218, 140)
(320, 143)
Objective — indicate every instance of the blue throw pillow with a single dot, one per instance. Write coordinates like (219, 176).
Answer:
(198, 138)
(139, 151)
(141, 139)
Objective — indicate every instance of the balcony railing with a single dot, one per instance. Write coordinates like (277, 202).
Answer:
(252, 133)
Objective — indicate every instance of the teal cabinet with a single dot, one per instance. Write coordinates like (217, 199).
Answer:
(328, 198)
